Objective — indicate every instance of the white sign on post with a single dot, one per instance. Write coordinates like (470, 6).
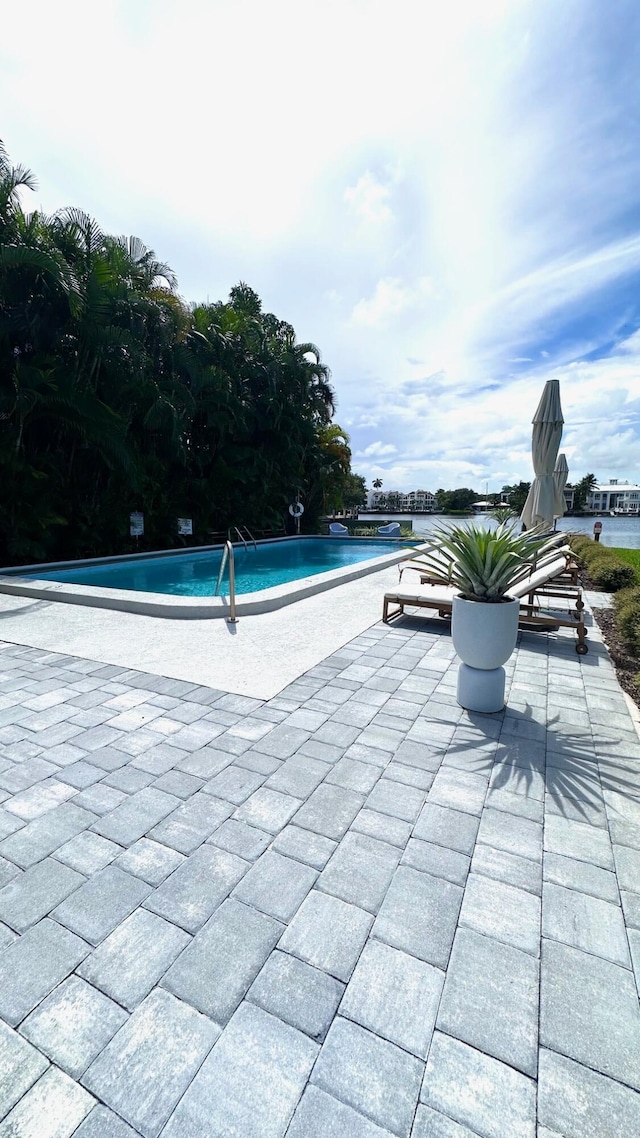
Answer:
(185, 526)
(136, 524)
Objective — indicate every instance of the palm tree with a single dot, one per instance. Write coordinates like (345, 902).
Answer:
(114, 395)
(583, 489)
(377, 483)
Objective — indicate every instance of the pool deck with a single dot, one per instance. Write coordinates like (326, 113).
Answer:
(347, 910)
(257, 657)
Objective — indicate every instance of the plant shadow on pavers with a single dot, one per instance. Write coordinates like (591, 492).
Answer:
(577, 772)
(534, 749)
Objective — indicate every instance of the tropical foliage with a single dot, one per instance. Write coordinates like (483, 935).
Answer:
(517, 495)
(460, 499)
(582, 489)
(117, 396)
(502, 514)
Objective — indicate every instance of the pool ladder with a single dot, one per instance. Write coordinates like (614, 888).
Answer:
(243, 539)
(228, 556)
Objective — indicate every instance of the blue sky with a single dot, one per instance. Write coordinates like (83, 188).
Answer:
(444, 197)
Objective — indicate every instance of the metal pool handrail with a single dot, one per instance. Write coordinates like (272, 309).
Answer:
(228, 556)
(243, 538)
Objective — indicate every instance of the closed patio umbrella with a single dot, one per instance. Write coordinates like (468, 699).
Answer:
(539, 508)
(560, 476)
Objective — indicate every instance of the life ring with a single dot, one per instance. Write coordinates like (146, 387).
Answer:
(296, 509)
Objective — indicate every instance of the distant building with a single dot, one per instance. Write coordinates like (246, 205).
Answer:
(621, 497)
(415, 502)
(569, 494)
(420, 501)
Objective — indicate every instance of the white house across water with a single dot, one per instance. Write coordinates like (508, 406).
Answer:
(621, 497)
(415, 502)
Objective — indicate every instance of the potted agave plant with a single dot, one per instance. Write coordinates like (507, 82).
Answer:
(482, 565)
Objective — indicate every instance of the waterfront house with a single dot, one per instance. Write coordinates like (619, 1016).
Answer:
(415, 502)
(619, 497)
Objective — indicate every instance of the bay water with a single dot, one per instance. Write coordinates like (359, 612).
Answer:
(616, 531)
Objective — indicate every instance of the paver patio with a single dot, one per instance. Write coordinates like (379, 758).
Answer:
(351, 910)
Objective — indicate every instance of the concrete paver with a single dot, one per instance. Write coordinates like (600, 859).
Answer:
(300, 995)
(217, 967)
(53, 1108)
(488, 1096)
(490, 999)
(144, 1070)
(371, 1075)
(193, 891)
(589, 1012)
(321, 914)
(419, 915)
(20, 1066)
(276, 885)
(263, 1065)
(73, 1025)
(396, 996)
(134, 957)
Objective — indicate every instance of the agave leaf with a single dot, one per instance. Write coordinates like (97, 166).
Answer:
(482, 564)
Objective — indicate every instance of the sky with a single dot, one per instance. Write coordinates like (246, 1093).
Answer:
(444, 197)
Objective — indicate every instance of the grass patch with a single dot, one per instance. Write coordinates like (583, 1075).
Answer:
(631, 556)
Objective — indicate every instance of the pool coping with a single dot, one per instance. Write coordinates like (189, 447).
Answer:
(192, 608)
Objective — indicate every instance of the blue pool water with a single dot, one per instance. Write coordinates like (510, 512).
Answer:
(195, 574)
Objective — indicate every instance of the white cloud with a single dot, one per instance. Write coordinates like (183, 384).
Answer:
(450, 439)
(369, 199)
(488, 233)
(368, 420)
(390, 298)
(377, 450)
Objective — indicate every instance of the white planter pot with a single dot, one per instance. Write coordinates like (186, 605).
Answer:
(484, 635)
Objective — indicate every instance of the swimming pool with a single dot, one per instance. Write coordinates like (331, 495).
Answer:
(274, 573)
(192, 574)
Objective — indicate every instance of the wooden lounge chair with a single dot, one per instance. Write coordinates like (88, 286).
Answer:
(534, 594)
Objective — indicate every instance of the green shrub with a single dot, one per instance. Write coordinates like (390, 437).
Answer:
(606, 568)
(578, 540)
(584, 548)
(608, 572)
(592, 551)
(627, 613)
(626, 597)
(628, 627)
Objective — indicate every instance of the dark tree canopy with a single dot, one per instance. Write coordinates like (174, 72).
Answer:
(117, 396)
(517, 495)
(460, 499)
